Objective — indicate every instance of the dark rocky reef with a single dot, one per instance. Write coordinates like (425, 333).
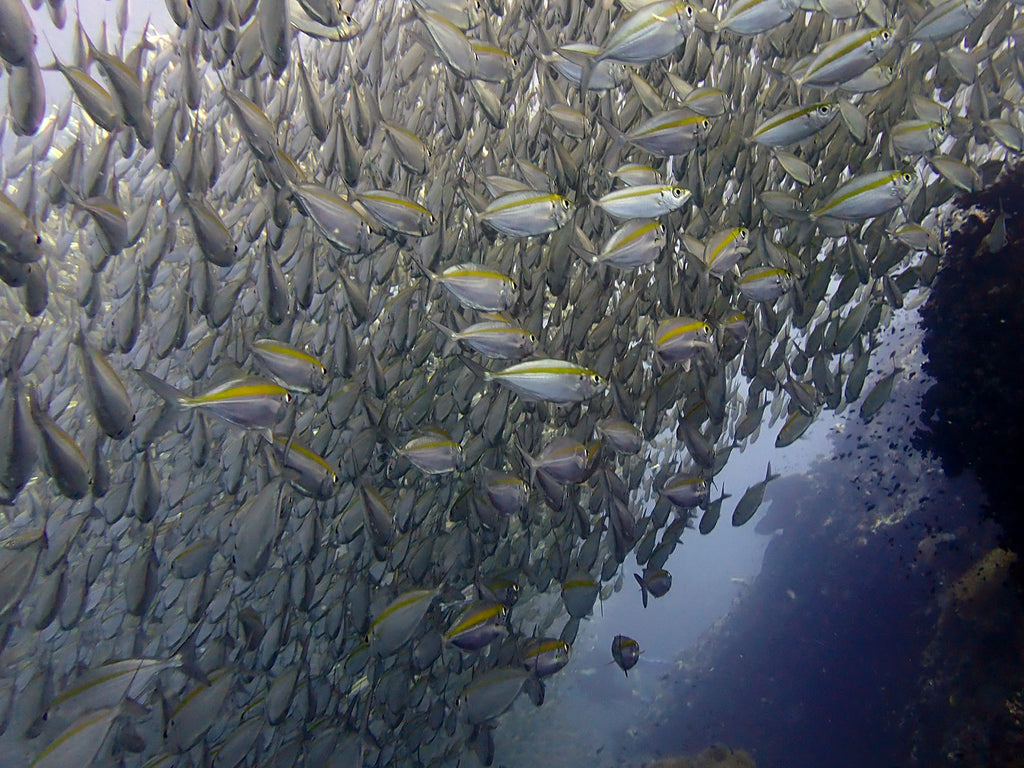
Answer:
(974, 321)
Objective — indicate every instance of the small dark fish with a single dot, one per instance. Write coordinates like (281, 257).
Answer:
(655, 581)
(625, 652)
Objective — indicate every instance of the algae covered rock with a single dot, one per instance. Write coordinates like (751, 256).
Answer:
(716, 756)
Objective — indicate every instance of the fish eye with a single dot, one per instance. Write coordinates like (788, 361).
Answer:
(323, 370)
(885, 36)
(705, 124)
(235, 247)
(39, 239)
(348, 17)
(565, 204)
(287, 397)
(677, 192)
(907, 178)
(824, 109)
(744, 233)
(515, 63)
(334, 478)
(596, 379)
(689, 11)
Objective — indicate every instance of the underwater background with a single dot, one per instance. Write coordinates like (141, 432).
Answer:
(514, 382)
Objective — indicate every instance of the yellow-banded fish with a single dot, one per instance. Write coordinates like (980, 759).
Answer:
(93, 97)
(915, 137)
(493, 64)
(412, 152)
(625, 652)
(622, 436)
(543, 656)
(398, 622)
(433, 452)
(751, 499)
(195, 713)
(679, 339)
(248, 402)
(795, 124)
(579, 591)
(19, 238)
(864, 197)
(946, 19)
(725, 249)
(645, 201)
(477, 286)
(17, 33)
(556, 381)
(764, 283)
(65, 462)
(572, 59)
(488, 695)
(672, 132)
(493, 338)
(465, 14)
(80, 742)
(508, 493)
(477, 625)
(564, 459)
(108, 684)
(655, 582)
(532, 212)
(749, 17)
(308, 471)
(649, 33)
(686, 490)
(291, 367)
(339, 223)
(397, 213)
(107, 395)
(847, 56)
(793, 428)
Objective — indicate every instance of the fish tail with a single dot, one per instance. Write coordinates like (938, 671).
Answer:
(585, 77)
(186, 655)
(431, 277)
(643, 588)
(618, 137)
(544, 47)
(172, 395)
(476, 368)
(443, 328)
(530, 461)
(588, 256)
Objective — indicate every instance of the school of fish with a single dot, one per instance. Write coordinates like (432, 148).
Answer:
(348, 350)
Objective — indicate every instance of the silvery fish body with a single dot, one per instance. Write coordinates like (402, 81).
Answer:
(645, 201)
(650, 32)
(555, 381)
(869, 195)
(521, 214)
